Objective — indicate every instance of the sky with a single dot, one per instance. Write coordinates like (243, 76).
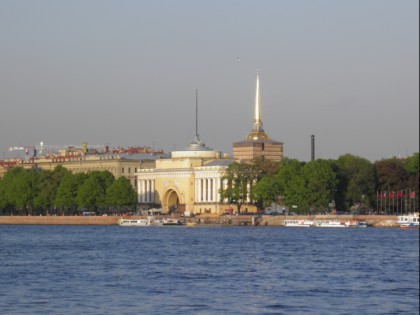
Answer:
(124, 73)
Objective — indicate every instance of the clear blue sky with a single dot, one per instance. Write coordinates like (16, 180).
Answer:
(125, 72)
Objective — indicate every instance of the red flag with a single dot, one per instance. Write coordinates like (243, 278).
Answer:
(391, 195)
(400, 194)
(413, 194)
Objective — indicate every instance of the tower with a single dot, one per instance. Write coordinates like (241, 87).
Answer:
(258, 144)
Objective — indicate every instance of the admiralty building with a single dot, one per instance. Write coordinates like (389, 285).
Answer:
(192, 179)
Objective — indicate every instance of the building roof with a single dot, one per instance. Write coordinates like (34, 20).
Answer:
(142, 156)
(221, 162)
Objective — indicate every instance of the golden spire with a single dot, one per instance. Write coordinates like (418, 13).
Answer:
(258, 126)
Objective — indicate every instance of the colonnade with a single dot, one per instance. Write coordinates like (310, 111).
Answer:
(207, 189)
(146, 191)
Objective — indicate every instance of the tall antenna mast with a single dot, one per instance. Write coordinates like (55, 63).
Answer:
(196, 113)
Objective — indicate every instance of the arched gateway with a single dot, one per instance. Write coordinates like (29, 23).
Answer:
(171, 201)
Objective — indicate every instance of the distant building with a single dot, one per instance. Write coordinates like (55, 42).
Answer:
(258, 144)
(122, 162)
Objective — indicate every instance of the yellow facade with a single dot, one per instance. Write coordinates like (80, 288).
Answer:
(117, 165)
(190, 181)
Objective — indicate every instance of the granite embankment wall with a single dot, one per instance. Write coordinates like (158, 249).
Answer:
(372, 220)
(265, 220)
(58, 220)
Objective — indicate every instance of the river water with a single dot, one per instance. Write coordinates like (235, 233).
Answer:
(208, 270)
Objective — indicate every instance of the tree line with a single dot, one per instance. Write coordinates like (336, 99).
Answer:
(348, 184)
(60, 192)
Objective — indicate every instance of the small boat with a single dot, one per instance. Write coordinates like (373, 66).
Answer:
(362, 224)
(352, 223)
(408, 221)
(329, 224)
(171, 221)
(134, 222)
(299, 223)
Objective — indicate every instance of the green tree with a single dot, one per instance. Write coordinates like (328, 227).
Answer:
(48, 184)
(65, 197)
(321, 182)
(90, 195)
(239, 177)
(7, 195)
(292, 184)
(412, 164)
(266, 191)
(23, 190)
(120, 194)
(391, 175)
(357, 182)
(264, 167)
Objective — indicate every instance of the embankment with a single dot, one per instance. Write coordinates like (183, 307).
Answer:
(264, 220)
(59, 220)
(372, 220)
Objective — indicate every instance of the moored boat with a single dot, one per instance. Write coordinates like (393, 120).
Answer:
(352, 223)
(299, 223)
(134, 222)
(329, 224)
(408, 221)
(171, 221)
(362, 224)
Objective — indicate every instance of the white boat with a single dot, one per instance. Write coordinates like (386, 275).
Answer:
(171, 221)
(408, 221)
(299, 223)
(352, 223)
(134, 222)
(329, 224)
(356, 223)
(362, 224)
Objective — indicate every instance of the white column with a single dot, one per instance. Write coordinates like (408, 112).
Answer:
(153, 191)
(149, 191)
(217, 189)
(214, 190)
(203, 192)
(199, 190)
(207, 190)
(138, 191)
(210, 190)
(248, 191)
(225, 185)
(143, 191)
(195, 190)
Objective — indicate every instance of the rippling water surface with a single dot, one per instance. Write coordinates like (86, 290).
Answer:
(208, 270)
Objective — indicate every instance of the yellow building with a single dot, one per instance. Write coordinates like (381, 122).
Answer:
(258, 144)
(191, 181)
(118, 164)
